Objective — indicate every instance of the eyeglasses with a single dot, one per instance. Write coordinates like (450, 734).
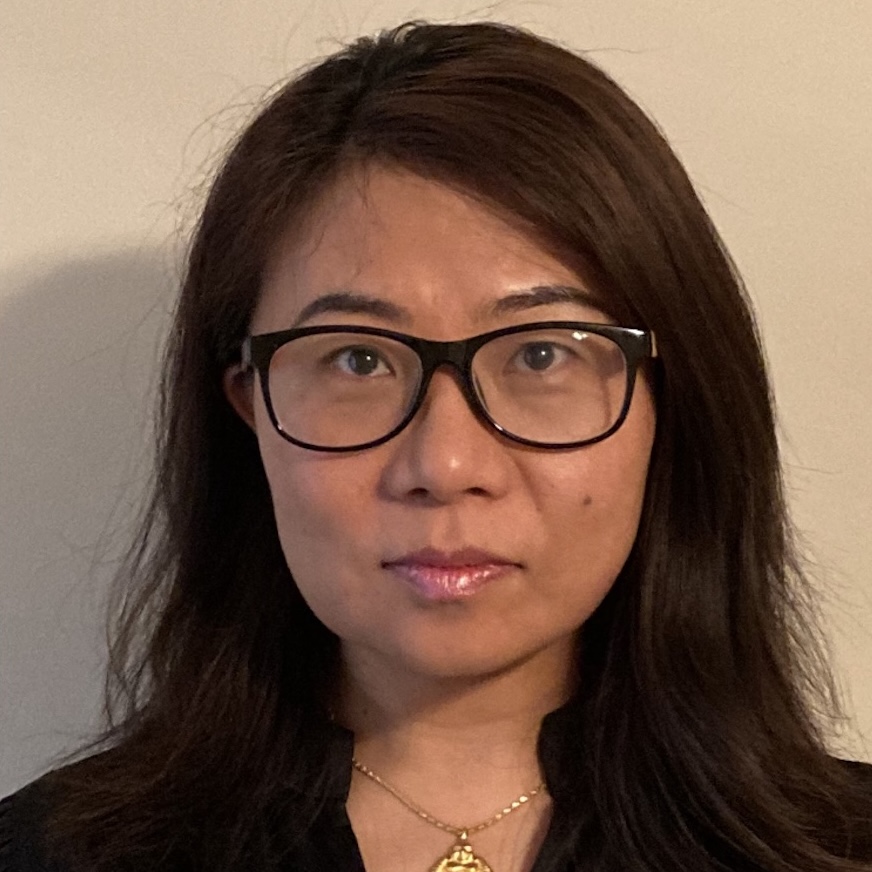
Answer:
(550, 384)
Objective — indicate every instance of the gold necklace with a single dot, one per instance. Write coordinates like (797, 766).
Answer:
(460, 857)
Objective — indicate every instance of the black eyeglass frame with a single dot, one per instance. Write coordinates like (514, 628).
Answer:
(635, 344)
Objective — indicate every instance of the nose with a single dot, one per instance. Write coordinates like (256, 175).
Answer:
(447, 452)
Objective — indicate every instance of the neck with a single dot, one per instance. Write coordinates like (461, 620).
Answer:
(485, 724)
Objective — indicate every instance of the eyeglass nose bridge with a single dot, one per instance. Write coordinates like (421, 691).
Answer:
(435, 353)
(456, 355)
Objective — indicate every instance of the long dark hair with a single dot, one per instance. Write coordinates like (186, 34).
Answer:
(703, 682)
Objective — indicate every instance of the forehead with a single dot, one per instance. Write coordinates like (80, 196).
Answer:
(434, 254)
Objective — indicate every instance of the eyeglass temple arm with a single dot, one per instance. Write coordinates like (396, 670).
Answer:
(245, 354)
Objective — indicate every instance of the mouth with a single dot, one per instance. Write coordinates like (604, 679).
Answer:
(449, 576)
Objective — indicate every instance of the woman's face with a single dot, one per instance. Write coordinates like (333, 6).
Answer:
(374, 537)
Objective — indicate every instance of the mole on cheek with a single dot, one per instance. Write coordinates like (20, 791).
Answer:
(588, 500)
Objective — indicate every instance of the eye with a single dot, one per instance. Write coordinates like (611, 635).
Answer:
(540, 356)
(361, 360)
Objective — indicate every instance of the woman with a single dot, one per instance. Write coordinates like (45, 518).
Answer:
(468, 548)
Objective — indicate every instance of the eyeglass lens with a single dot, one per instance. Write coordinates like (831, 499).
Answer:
(552, 386)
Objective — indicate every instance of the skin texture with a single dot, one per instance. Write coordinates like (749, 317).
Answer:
(568, 518)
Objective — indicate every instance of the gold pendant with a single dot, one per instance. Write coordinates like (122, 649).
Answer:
(461, 858)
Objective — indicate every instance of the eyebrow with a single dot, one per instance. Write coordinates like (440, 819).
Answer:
(543, 295)
(348, 302)
(353, 303)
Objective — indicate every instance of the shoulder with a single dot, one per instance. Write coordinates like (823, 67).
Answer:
(858, 809)
(859, 777)
(22, 835)
(861, 771)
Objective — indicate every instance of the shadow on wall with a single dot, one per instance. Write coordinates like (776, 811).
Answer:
(79, 350)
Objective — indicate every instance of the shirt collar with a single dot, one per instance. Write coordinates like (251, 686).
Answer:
(557, 747)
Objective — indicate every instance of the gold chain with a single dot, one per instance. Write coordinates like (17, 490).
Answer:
(448, 828)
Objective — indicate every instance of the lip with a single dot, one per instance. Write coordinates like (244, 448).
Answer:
(448, 576)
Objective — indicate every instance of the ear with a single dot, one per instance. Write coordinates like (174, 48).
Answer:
(238, 384)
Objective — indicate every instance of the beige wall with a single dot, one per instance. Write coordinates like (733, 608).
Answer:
(111, 113)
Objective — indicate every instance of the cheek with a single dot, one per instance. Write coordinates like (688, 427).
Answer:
(588, 549)
(320, 506)
(301, 493)
(593, 525)
(591, 510)
(309, 505)
(310, 523)
(597, 483)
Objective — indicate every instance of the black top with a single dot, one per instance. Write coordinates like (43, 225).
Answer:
(330, 843)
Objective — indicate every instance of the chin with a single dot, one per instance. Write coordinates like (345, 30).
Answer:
(480, 658)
